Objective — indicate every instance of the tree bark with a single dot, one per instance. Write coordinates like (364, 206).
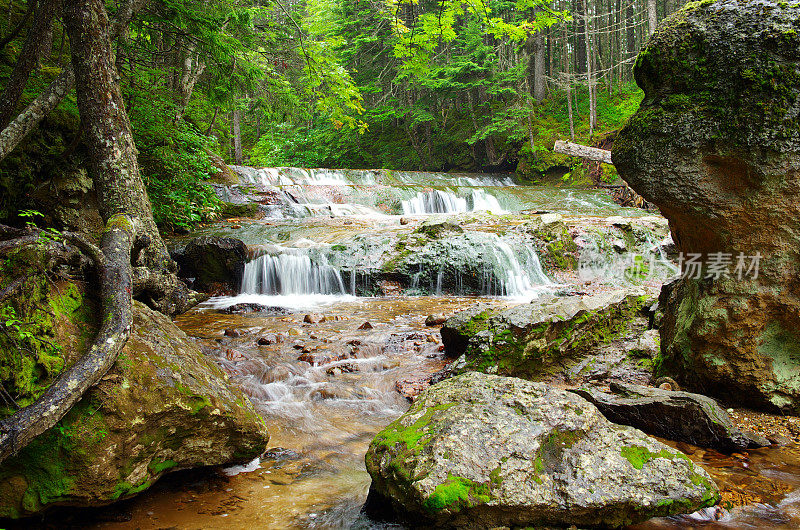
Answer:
(580, 38)
(237, 138)
(583, 151)
(112, 159)
(539, 79)
(37, 43)
(652, 16)
(112, 262)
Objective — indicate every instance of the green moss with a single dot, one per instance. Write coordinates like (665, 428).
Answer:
(158, 467)
(639, 456)
(457, 493)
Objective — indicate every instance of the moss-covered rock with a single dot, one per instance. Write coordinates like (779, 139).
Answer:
(716, 145)
(163, 406)
(532, 340)
(484, 451)
(559, 249)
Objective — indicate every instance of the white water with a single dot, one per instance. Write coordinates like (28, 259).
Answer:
(291, 273)
(439, 201)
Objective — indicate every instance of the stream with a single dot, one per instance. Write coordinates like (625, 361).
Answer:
(332, 248)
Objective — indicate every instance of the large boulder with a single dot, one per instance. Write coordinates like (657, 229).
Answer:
(486, 451)
(716, 145)
(532, 340)
(215, 263)
(674, 415)
(164, 406)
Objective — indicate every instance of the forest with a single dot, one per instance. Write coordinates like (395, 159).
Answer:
(389, 264)
(366, 84)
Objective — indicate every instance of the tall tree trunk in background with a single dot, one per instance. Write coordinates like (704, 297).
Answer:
(580, 37)
(37, 44)
(652, 16)
(630, 22)
(590, 77)
(237, 138)
(539, 79)
(191, 70)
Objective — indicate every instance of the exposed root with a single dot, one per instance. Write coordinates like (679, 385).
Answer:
(113, 267)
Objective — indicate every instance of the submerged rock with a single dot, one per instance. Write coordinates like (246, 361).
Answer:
(678, 416)
(485, 451)
(531, 340)
(164, 406)
(716, 145)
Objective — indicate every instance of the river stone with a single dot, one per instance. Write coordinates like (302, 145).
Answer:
(678, 416)
(164, 406)
(486, 451)
(531, 340)
(716, 145)
(213, 261)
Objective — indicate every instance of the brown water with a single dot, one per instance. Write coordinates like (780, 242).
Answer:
(322, 419)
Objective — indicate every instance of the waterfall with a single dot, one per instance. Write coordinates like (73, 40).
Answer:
(438, 201)
(517, 278)
(291, 273)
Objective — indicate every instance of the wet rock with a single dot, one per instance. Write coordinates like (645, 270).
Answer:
(436, 227)
(558, 249)
(485, 451)
(267, 340)
(365, 325)
(678, 416)
(295, 332)
(404, 220)
(647, 346)
(313, 318)
(435, 320)
(716, 145)
(163, 407)
(390, 288)
(411, 388)
(213, 260)
(232, 333)
(534, 340)
(250, 307)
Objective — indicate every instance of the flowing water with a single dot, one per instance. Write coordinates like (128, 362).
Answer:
(326, 388)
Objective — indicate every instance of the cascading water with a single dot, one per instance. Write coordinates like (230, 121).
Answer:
(291, 274)
(446, 202)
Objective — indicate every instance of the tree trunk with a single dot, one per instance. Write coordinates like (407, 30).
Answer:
(37, 44)
(112, 160)
(583, 151)
(237, 138)
(652, 16)
(630, 23)
(539, 79)
(580, 38)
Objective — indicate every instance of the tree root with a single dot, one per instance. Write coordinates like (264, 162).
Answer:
(113, 266)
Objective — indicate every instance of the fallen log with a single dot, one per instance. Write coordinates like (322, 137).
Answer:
(113, 266)
(583, 151)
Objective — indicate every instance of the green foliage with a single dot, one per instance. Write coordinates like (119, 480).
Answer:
(175, 165)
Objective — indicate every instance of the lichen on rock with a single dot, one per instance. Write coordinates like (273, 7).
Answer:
(484, 451)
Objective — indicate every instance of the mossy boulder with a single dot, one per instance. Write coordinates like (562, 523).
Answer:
(558, 249)
(483, 451)
(716, 146)
(164, 405)
(533, 340)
